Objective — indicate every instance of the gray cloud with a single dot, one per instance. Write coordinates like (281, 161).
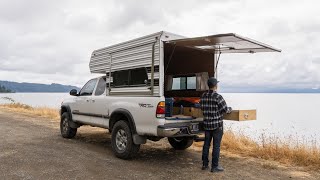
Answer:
(51, 41)
(26, 11)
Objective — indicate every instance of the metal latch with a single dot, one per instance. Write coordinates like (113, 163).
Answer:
(246, 115)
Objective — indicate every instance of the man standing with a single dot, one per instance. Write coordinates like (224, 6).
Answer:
(213, 107)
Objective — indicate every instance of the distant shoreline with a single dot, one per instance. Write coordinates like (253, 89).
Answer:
(218, 92)
(25, 87)
(31, 92)
(273, 92)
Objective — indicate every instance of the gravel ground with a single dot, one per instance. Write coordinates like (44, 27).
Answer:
(31, 148)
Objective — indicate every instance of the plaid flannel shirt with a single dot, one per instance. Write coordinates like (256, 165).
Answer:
(213, 107)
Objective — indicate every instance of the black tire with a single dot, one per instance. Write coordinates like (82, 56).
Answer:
(65, 129)
(181, 143)
(122, 142)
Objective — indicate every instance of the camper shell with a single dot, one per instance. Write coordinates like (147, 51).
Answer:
(165, 55)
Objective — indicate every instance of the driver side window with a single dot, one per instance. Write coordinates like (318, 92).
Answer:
(88, 88)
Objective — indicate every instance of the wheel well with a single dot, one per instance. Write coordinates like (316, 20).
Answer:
(63, 110)
(122, 115)
(72, 123)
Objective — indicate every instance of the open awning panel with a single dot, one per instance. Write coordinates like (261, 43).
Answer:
(224, 43)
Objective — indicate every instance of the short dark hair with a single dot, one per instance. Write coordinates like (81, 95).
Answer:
(212, 86)
(212, 82)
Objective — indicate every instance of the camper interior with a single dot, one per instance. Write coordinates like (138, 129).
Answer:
(186, 73)
(188, 63)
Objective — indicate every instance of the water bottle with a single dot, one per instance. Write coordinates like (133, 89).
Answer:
(181, 109)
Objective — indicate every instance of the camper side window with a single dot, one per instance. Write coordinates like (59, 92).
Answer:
(132, 77)
(121, 78)
(138, 76)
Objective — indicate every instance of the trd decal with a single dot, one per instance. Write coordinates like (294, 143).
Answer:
(145, 105)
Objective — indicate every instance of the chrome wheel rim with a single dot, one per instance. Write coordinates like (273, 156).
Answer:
(121, 140)
(178, 139)
(65, 125)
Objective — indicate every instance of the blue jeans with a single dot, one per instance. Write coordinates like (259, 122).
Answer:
(216, 135)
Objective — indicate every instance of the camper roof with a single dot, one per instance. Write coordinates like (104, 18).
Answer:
(224, 43)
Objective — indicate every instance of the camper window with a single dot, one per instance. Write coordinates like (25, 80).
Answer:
(138, 76)
(184, 83)
(132, 77)
(121, 78)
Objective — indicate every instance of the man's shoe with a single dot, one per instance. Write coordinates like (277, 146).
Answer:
(204, 167)
(217, 169)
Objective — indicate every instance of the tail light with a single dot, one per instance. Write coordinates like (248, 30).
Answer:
(161, 111)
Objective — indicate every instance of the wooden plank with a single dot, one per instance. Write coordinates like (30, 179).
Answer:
(196, 112)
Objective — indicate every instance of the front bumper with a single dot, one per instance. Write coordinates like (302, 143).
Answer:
(180, 129)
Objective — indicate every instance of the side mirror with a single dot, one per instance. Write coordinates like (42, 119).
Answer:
(73, 92)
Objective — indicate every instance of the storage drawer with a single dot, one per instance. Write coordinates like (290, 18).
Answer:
(241, 115)
(235, 115)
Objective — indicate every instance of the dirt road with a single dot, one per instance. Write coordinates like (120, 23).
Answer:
(32, 148)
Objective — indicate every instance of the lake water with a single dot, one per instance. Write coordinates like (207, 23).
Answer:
(279, 115)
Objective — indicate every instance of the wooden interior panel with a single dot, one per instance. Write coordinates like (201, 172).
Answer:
(185, 61)
(183, 93)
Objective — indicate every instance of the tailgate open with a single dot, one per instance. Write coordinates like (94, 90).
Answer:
(224, 43)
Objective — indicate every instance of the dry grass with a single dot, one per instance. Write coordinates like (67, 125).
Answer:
(290, 151)
(269, 166)
(39, 111)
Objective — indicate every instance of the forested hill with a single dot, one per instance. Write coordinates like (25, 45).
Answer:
(3, 89)
(34, 87)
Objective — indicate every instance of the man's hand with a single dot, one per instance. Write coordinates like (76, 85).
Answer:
(229, 110)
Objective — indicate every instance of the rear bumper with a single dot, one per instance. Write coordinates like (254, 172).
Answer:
(180, 129)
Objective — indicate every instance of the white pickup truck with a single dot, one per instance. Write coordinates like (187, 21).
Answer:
(146, 87)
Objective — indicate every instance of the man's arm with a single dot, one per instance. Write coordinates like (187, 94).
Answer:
(222, 105)
(201, 102)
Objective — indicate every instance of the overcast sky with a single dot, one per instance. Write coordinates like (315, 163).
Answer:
(51, 41)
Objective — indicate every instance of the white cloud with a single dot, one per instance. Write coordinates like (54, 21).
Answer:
(51, 41)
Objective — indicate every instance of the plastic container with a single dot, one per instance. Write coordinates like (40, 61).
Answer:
(169, 107)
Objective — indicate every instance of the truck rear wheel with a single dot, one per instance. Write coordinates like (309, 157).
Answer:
(65, 129)
(122, 142)
(180, 143)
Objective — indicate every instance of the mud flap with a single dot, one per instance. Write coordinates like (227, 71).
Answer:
(73, 124)
(137, 139)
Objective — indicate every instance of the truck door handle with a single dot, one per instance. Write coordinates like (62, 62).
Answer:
(93, 100)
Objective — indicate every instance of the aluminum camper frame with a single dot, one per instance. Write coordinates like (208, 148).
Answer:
(148, 51)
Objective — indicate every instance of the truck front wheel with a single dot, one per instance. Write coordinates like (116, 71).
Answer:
(121, 141)
(180, 143)
(65, 129)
